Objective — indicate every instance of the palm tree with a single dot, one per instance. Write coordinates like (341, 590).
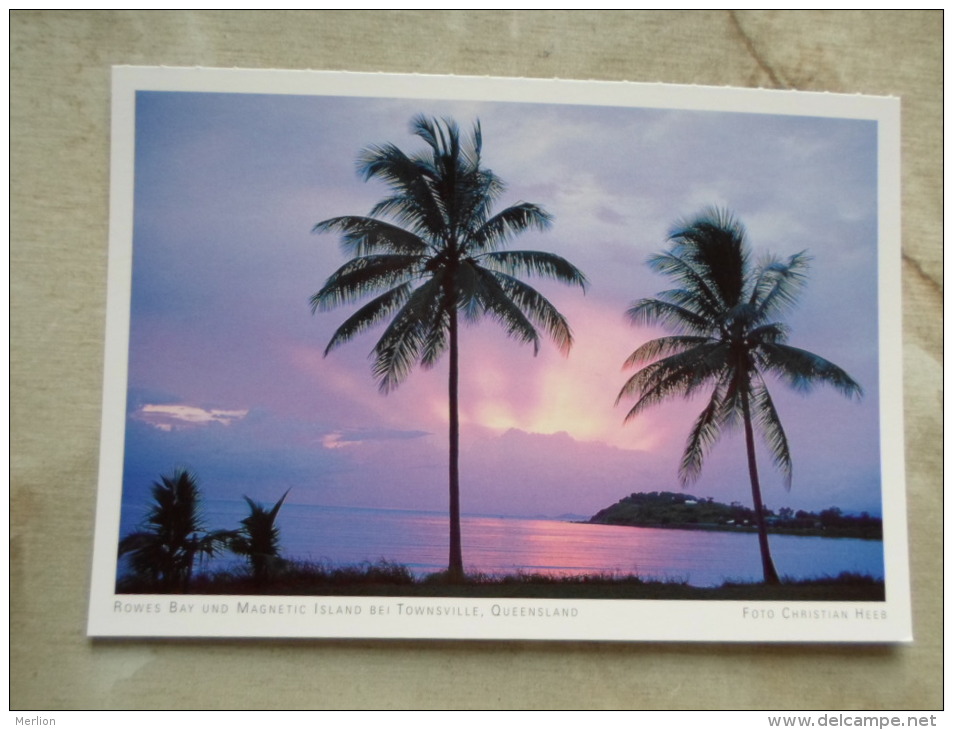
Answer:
(439, 260)
(258, 538)
(723, 313)
(174, 534)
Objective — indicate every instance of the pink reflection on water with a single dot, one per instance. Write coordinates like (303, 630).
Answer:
(505, 545)
(495, 545)
(499, 545)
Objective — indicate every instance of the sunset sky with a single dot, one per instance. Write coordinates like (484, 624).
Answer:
(226, 371)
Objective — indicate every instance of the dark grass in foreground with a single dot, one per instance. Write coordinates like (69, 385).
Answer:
(392, 579)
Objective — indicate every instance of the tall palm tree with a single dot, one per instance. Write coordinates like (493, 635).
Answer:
(173, 534)
(727, 339)
(258, 538)
(440, 259)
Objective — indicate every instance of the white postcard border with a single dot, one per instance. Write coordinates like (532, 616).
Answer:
(113, 615)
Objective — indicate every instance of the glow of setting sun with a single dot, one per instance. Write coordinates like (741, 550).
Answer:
(564, 396)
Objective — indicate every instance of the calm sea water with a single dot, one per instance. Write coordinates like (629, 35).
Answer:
(350, 536)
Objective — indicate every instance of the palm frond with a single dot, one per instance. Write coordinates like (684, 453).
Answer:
(136, 541)
(537, 308)
(274, 510)
(680, 319)
(485, 189)
(681, 374)
(687, 299)
(468, 285)
(508, 223)
(364, 236)
(773, 333)
(401, 344)
(713, 242)
(397, 352)
(703, 436)
(495, 297)
(258, 539)
(210, 544)
(372, 313)
(366, 275)
(664, 346)
(476, 145)
(537, 263)
(802, 370)
(411, 179)
(772, 432)
(706, 300)
(435, 315)
(778, 284)
(163, 550)
(407, 211)
(736, 384)
(429, 131)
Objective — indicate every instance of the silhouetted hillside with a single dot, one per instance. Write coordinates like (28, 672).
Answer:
(685, 511)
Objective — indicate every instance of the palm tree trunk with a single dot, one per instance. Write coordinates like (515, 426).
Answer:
(455, 566)
(189, 559)
(767, 564)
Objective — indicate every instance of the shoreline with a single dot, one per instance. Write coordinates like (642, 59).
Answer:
(750, 529)
(393, 580)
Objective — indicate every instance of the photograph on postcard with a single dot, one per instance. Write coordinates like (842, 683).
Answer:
(482, 358)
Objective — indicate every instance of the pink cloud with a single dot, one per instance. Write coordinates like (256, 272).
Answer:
(168, 417)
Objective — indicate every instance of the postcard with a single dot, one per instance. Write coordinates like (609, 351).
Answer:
(479, 358)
